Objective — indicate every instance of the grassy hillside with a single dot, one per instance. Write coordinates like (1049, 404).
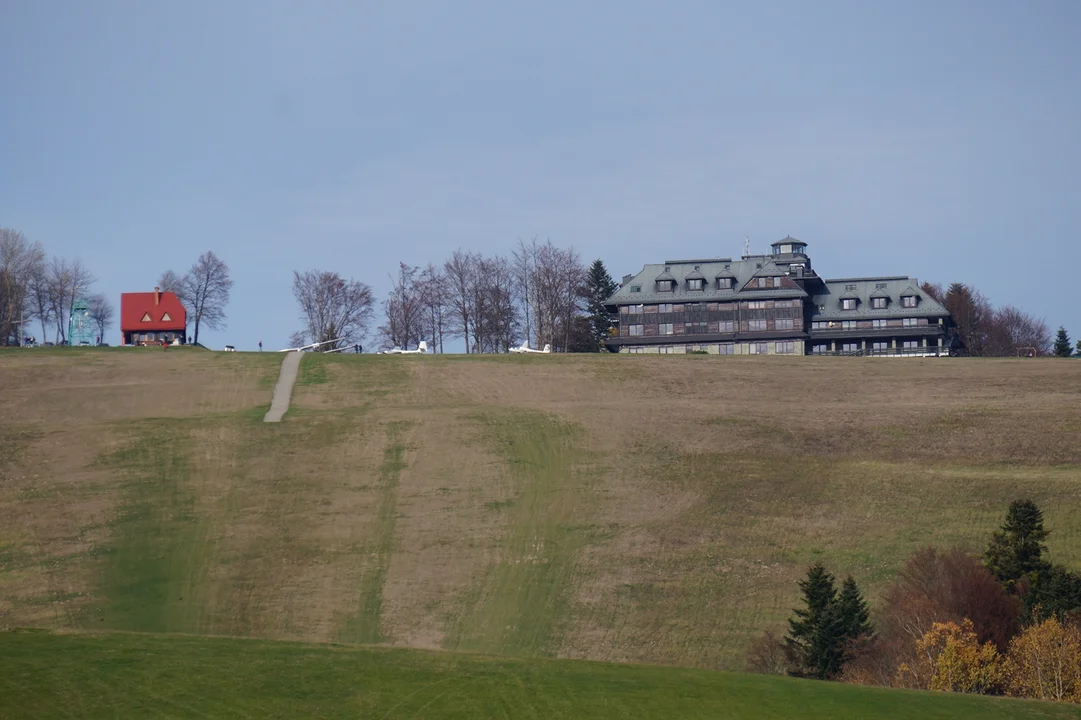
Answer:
(121, 676)
(626, 508)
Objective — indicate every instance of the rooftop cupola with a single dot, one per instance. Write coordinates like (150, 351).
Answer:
(789, 246)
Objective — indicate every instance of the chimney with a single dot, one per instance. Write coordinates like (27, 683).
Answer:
(157, 295)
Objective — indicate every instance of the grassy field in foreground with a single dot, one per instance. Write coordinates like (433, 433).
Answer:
(624, 508)
(139, 676)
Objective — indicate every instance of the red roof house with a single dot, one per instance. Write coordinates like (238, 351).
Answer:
(150, 317)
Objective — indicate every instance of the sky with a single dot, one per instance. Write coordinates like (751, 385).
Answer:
(938, 139)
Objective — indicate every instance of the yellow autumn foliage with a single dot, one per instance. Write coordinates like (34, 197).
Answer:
(1044, 662)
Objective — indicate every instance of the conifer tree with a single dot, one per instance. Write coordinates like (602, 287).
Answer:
(600, 287)
(1016, 550)
(1062, 343)
(855, 614)
(814, 634)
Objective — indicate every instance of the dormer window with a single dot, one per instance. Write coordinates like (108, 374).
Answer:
(879, 303)
(724, 283)
(146, 317)
(909, 301)
(664, 285)
(694, 284)
(848, 304)
(166, 317)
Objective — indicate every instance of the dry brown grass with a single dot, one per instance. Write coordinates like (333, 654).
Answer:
(400, 493)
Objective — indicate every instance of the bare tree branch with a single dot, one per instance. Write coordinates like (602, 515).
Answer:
(102, 313)
(404, 311)
(206, 288)
(20, 261)
(332, 307)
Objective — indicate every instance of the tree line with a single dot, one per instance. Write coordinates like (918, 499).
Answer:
(38, 289)
(1006, 623)
(540, 293)
(989, 331)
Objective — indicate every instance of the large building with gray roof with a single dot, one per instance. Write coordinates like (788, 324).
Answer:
(772, 304)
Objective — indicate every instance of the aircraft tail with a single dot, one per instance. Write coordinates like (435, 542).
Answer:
(547, 349)
(423, 347)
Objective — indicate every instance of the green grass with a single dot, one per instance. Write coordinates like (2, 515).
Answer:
(138, 676)
(365, 626)
(154, 574)
(517, 607)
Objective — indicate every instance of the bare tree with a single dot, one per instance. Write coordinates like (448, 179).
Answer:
(1011, 331)
(40, 298)
(495, 315)
(404, 310)
(20, 261)
(206, 291)
(524, 261)
(171, 282)
(331, 307)
(102, 313)
(460, 272)
(559, 280)
(67, 281)
(434, 302)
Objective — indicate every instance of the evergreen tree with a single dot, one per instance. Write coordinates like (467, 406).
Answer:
(1062, 343)
(1016, 550)
(600, 287)
(855, 617)
(815, 634)
(1055, 592)
(1078, 350)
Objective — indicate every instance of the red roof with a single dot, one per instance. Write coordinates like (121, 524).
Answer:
(139, 311)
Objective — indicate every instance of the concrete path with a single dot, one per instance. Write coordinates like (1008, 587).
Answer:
(284, 389)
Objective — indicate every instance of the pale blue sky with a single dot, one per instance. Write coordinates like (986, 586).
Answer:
(939, 139)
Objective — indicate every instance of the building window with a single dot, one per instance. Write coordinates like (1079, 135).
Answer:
(695, 328)
(820, 349)
(850, 288)
(664, 286)
(848, 324)
(667, 329)
(636, 330)
(777, 281)
(694, 284)
(664, 307)
(785, 324)
(760, 348)
(726, 349)
(911, 344)
(908, 301)
(848, 304)
(726, 326)
(756, 325)
(724, 283)
(878, 303)
(878, 324)
(786, 348)
(146, 317)
(880, 346)
(636, 288)
(850, 347)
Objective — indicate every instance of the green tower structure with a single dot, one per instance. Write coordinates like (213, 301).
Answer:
(81, 327)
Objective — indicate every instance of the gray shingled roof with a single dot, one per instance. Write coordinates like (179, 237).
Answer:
(866, 288)
(741, 270)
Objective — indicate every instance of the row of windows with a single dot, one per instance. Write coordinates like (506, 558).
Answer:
(878, 346)
(755, 348)
(639, 309)
(702, 328)
(879, 303)
(876, 324)
(723, 283)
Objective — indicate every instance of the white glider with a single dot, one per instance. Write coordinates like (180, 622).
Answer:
(526, 349)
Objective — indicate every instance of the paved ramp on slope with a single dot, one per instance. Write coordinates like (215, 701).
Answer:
(284, 389)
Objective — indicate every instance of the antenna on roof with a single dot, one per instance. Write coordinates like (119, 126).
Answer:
(746, 245)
